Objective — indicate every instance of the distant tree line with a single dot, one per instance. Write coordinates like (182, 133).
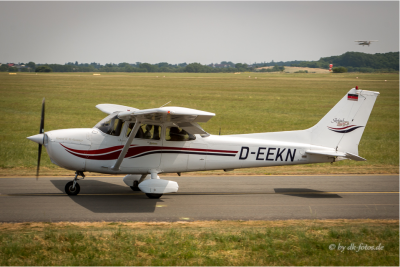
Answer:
(17, 67)
(351, 61)
(276, 68)
(138, 67)
(339, 70)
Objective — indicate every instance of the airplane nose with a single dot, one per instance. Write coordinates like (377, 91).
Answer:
(39, 138)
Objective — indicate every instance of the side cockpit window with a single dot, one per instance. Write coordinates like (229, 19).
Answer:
(178, 134)
(146, 131)
(110, 125)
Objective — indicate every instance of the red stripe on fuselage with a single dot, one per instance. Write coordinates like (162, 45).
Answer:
(96, 151)
(137, 150)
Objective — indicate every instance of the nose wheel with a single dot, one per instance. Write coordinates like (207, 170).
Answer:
(72, 188)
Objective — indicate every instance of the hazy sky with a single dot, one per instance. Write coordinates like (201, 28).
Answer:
(205, 32)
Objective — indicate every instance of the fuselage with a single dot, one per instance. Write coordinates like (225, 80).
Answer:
(91, 149)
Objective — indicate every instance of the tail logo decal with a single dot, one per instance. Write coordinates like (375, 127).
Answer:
(340, 122)
(346, 129)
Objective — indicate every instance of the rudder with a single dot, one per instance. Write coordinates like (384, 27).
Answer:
(342, 127)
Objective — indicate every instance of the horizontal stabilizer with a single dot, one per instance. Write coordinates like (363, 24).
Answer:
(331, 153)
(354, 157)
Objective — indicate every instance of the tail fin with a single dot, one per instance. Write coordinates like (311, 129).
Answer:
(344, 124)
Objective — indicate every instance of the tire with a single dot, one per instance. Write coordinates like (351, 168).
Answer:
(69, 191)
(153, 196)
(135, 186)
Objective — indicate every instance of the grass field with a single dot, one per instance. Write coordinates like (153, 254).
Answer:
(243, 104)
(209, 243)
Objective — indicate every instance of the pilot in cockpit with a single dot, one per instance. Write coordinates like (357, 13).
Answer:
(174, 134)
(147, 134)
(139, 133)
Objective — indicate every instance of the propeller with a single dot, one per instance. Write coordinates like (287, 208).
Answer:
(41, 131)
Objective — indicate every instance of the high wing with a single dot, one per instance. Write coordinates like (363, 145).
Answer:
(111, 108)
(167, 114)
(159, 115)
(184, 118)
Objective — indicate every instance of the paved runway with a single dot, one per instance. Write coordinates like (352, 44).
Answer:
(203, 198)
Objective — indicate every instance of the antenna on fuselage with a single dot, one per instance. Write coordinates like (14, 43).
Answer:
(166, 104)
(219, 130)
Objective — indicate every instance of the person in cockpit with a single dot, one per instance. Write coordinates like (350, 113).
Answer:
(147, 134)
(174, 134)
(156, 135)
(139, 134)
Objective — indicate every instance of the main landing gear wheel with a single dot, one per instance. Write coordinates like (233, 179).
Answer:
(70, 190)
(135, 186)
(153, 196)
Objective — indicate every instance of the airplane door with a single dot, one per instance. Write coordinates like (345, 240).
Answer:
(197, 160)
(145, 150)
(106, 144)
(176, 149)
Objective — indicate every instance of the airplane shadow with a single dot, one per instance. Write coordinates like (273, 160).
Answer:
(103, 197)
(305, 192)
(118, 199)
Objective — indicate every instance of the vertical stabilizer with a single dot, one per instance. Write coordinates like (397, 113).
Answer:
(344, 124)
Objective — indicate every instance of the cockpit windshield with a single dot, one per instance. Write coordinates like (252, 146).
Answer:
(111, 125)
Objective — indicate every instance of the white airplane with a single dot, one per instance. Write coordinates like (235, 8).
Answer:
(145, 143)
(366, 42)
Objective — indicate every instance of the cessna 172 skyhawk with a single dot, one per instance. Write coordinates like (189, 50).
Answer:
(144, 143)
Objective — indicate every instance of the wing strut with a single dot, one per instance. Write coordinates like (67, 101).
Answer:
(128, 143)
